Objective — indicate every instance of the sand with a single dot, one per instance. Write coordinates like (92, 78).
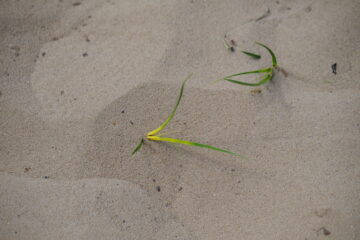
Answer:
(82, 81)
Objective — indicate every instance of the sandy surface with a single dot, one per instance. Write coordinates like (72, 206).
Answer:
(82, 81)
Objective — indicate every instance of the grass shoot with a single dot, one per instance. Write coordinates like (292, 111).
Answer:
(267, 73)
(155, 134)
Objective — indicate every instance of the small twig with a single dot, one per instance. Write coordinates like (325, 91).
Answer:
(282, 71)
(264, 15)
(227, 46)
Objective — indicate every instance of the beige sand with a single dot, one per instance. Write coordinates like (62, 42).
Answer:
(82, 81)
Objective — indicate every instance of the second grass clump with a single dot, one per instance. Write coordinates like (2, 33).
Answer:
(267, 72)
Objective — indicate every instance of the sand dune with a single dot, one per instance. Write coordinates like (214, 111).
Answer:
(82, 81)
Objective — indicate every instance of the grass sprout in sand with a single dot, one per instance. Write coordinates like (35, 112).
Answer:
(155, 135)
(267, 72)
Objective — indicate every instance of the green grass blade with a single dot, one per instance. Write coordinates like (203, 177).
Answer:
(173, 112)
(138, 147)
(274, 62)
(261, 82)
(264, 70)
(253, 55)
(174, 140)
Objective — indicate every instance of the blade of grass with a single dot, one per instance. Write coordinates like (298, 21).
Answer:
(173, 112)
(189, 143)
(138, 146)
(253, 55)
(261, 82)
(274, 61)
(264, 70)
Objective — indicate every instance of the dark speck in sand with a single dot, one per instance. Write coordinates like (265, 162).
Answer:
(158, 188)
(46, 177)
(62, 92)
(85, 54)
(43, 54)
(76, 4)
(326, 232)
(131, 123)
(333, 68)
(123, 111)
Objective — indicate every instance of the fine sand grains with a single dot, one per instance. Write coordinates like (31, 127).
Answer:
(82, 81)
